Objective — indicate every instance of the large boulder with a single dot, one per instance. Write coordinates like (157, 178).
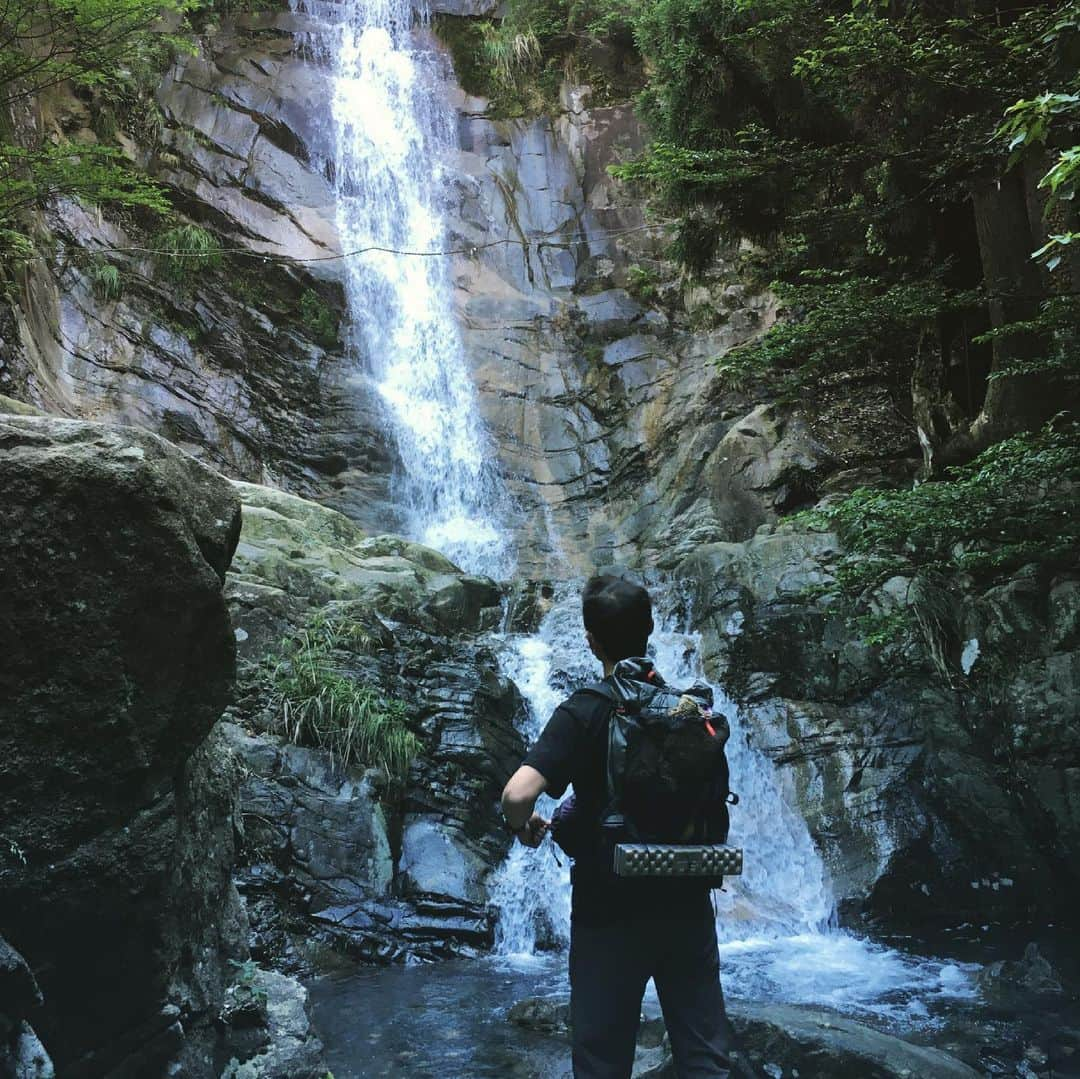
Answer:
(118, 658)
(296, 556)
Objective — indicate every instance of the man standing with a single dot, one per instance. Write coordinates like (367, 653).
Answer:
(622, 930)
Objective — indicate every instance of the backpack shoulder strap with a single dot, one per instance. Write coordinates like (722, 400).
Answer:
(600, 689)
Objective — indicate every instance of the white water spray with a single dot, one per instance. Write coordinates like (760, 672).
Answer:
(391, 132)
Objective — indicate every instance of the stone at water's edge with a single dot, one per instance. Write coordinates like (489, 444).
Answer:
(779, 1040)
(21, 1053)
(117, 803)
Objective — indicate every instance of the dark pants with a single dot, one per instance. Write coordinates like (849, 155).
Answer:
(609, 967)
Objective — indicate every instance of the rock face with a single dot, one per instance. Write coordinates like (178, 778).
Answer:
(601, 374)
(118, 660)
(21, 1053)
(940, 795)
(332, 854)
(595, 361)
(238, 362)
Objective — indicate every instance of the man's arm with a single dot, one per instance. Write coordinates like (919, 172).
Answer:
(518, 799)
(546, 769)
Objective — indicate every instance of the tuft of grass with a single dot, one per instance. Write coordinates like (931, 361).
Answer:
(106, 280)
(316, 704)
(641, 283)
(319, 319)
(513, 54)
(186, 250)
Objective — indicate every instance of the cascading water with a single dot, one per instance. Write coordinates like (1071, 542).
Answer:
(775, 923)
(391, 131)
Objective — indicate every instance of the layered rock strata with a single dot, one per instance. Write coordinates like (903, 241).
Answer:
(334, 855)
(938, 771)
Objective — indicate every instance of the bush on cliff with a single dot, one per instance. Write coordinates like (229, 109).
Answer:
(316, 703)
(110, 51)
(1014, 505)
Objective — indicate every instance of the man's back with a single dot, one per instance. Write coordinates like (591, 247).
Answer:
(622, 932)
(572, 751)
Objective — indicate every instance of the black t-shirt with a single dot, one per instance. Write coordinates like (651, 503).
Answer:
(573, 750)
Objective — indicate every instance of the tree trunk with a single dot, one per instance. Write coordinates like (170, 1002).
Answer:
(1016, 288)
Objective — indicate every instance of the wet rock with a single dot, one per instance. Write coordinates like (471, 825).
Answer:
(323, 822)
(334, 854)
(547, 1014)
(294, 555)
(777, 1040)
(22, 1056)
(906, 775)
(118, 660)
(223, 362)
(813, 1043)
(293, 1049)
(1025, 982)
(431, 861)
(19, 992)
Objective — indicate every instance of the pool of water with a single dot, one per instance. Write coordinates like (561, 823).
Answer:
(441, 1021)
(449, 1020)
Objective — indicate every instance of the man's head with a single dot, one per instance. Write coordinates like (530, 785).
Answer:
(617, 616)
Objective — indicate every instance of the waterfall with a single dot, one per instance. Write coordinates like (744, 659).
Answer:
(391, 130)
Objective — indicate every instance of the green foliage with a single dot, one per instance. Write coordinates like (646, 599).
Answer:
(1057, 323)
(641, 283)
(464, 37)
(246, 989)
(316, 315)
(106, 279)
(847, 139)
(316, 704)
(98, 44)
(186, 250)
(824, 329)
(99, 174)
(1014, 504)
(513, 55)
(109, 50)
(520, 59)
(1030, 124)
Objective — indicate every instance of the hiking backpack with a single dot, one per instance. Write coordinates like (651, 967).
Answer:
(666, 769)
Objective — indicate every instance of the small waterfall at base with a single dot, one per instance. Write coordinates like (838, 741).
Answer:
(391, 128)
(776, 922)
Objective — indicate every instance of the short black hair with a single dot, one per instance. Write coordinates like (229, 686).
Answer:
(618, 613)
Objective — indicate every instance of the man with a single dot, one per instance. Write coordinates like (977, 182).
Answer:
(622, 931)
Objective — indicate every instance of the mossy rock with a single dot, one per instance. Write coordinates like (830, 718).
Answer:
(9, 406)
(315, 556)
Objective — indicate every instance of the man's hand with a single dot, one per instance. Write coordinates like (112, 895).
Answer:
(534, 830)
(518, 799)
